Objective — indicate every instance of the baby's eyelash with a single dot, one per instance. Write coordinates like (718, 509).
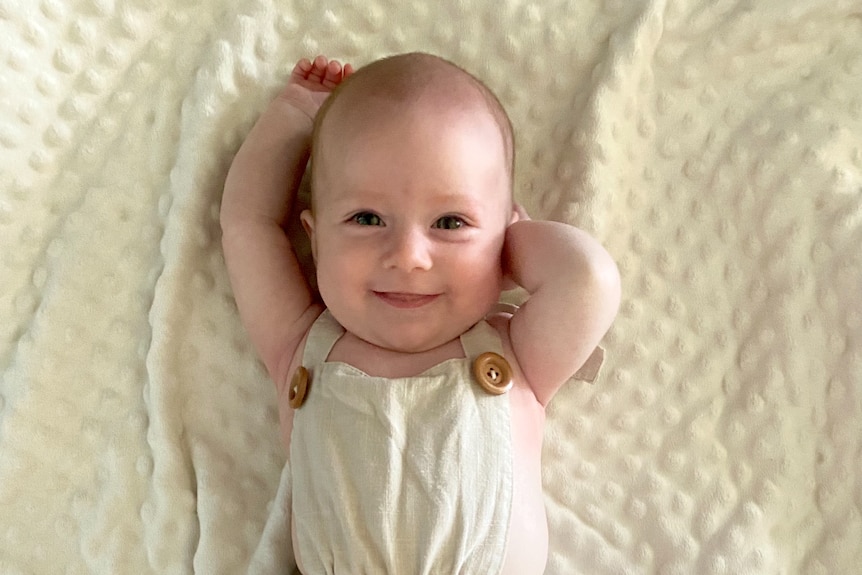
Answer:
(366, 219)
(450, 223)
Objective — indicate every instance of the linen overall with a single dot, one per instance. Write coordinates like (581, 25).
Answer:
(408, 475)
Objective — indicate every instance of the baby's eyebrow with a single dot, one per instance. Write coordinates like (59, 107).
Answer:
(360, 196)
(450, 197)
(461, 205)
(444, 201)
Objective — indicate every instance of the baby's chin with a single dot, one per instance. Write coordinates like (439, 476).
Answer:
(409, 343)
(410, 338)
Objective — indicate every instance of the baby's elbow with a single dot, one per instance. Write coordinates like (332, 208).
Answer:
(227, 215)
(606, 283)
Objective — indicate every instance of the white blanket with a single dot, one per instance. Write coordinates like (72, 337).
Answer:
(715, 148)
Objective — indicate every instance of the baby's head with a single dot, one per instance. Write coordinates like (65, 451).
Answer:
(390, 85)
(412, 162)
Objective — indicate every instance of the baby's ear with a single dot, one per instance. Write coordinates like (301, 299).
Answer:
(307, 219)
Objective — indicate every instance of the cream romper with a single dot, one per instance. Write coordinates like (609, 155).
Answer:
(410, 475)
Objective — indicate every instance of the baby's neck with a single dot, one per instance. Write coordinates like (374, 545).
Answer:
(381, 362)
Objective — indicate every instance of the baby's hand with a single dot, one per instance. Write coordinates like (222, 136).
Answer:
(311, 82)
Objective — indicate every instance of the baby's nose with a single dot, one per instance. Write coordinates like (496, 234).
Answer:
(410, 250)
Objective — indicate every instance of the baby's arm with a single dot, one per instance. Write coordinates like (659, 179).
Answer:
(272, 295)
(574, 289)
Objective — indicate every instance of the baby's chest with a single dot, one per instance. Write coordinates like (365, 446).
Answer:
(405, 430)
(378, 362)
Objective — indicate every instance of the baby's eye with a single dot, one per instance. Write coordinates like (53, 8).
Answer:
(449, 223)
(367, 219)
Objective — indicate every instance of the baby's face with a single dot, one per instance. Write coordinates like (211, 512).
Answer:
(408, 226)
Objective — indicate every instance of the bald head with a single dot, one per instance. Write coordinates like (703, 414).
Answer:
(402, 83)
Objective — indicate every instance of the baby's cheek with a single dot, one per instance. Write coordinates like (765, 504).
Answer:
(341, 273)
(484, 279)
(327, 281)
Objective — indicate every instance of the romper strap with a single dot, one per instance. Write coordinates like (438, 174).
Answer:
(325, 331)
(479, 339)
(482, 337)
(503, 307)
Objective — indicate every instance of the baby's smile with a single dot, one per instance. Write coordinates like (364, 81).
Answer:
(403, 300)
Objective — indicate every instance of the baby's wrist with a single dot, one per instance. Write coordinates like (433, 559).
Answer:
(297, 118)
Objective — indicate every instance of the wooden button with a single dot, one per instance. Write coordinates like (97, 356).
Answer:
(298, 387)
(493, 373)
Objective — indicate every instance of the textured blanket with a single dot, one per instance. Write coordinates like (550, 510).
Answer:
(714, 147)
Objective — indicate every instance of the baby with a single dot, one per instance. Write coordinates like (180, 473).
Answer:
(411, 406)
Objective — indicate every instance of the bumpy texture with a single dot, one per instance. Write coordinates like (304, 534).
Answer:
(714, 147)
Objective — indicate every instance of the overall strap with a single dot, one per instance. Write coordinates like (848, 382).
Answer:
(482, 337)
(479, 339)
(323, 334)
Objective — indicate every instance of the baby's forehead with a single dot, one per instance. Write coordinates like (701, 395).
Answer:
(374, 120)
(376, 110)
(402, 89)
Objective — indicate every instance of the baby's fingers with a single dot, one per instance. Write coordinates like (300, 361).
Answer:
(301, 70)
(319, 69)
(332, 74)
(320, 74)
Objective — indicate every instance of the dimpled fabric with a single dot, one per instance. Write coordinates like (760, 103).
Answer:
(714, 147)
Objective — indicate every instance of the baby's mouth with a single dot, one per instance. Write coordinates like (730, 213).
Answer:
(405, 300)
